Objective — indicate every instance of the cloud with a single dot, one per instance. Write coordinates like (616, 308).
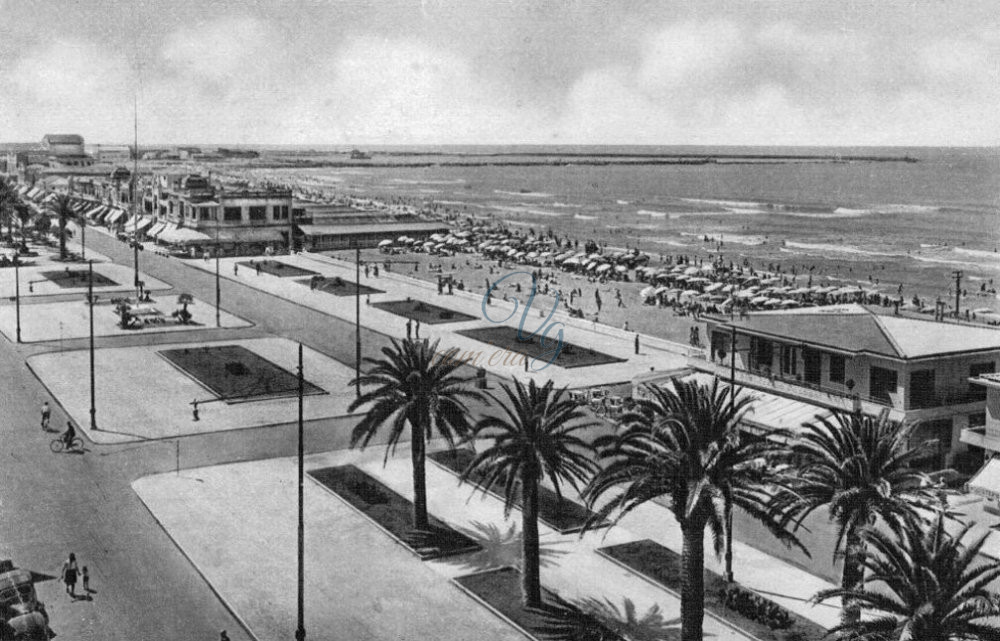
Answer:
(218, 49)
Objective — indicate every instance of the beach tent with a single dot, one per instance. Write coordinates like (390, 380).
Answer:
(663, 290)
(714, 287)
(759, 300)
(385, 243)
(789, 303)
(691, 271)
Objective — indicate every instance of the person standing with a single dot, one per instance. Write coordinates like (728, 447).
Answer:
(86, 580)
(236, 269)
(409, 329)
(69, 574)
(637, 342)
(416, 332)
(46, 416)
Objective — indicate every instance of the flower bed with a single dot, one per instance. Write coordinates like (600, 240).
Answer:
(392, 512)
(735, 604)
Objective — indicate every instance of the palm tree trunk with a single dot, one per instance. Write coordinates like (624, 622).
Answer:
(852, 576)
(62, 238)
(418, 457)
(693, 581)
(531, 581)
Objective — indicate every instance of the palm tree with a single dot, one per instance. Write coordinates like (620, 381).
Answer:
(9, 201)
(535, 436)
(24, 216)
(685, 445)
(417, 386)
(923, 584)
(62, 207)
(858, 467)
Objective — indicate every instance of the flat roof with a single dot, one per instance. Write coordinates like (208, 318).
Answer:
(855, 328)
(372, 228)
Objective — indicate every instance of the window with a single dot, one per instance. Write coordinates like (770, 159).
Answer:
(838, 365)
(281, 212)
(761, 353)
(882, 383)
(922, 389)
(232, 213)
(789, 360)
(258, 213)
(812, 365)
(978, 392)
(206, 213)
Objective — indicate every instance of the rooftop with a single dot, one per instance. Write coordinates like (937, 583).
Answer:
(855, 328)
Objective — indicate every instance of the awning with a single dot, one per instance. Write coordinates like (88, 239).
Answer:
(183, 236)
(769, 412)
(114, 216)
(986, 481)
(251, 235)
(132, 225)
(90, 213)
(156, 229)
(167, 227)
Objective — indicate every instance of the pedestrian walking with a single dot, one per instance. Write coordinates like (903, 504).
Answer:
(637, 342)
(46, 415)
(416, 330)
(86, 579)
(409, 329)
(69, 574)
(236, 269)
(223, 636)
(366, 270)
(257, 267)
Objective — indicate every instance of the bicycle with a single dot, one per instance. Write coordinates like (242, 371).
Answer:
(59, 445)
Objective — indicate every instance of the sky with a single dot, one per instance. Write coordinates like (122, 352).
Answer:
(357, 72)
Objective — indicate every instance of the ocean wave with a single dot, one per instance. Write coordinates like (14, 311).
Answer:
(727, 238)
(456, 202)
(978, 253)
(571, 205)
(429, 191)
(651, 213)
(740, 204)
(622, 202)
(529, 211)
(523, 194)
(842, 249)
(428, 181)
(582, 217)
(839, 212)
(644, 226)
(905, 209)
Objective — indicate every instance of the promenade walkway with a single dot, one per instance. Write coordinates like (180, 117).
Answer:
(205, 512)
(654, 353)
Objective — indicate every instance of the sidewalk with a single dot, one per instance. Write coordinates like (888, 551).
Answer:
(654, 353)
(205, 510)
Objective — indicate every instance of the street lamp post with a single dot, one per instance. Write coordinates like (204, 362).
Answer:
(300, 632)
(17, 293)
(90, 303)
(728, 574)
(218, 290)
(357, 319)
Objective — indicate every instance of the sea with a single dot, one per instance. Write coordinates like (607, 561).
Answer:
(833, 215)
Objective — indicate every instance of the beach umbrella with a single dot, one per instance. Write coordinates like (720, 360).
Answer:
(402, 239)
(728, 289)
(385, 243)
(594, 256)
(773, 302)
(591, 265)
(983, 310)
(661, 290)
(758, 300)
(603, 268)
(689, 293)
(714, 287)
(647, 292)
(707, 269)
(621, 269)
(572, 260)
(789, 303)
(690, 271)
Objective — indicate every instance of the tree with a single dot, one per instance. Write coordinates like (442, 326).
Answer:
(685, 445)
(184, 300)
(859, 468)
(415, 386)
(923, 584)
(62, 207)
(9, 203)
(535, 436)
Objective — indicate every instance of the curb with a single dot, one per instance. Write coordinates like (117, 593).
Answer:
(218, 595)
(672, 592)
(497, 613)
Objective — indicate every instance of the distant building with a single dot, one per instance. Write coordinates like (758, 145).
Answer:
(357, 154)
(849, 358)
(63, 145)
(113, 153)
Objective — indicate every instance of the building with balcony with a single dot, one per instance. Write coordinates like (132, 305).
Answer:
(188, 210)
(850, 358)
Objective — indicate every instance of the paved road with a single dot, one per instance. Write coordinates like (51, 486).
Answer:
(52, 504)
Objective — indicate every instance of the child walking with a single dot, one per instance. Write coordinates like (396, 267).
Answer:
(86, 579)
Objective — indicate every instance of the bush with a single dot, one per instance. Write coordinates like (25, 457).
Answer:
(755, 607)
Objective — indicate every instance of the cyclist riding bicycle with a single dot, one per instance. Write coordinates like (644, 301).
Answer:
(69, 435)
